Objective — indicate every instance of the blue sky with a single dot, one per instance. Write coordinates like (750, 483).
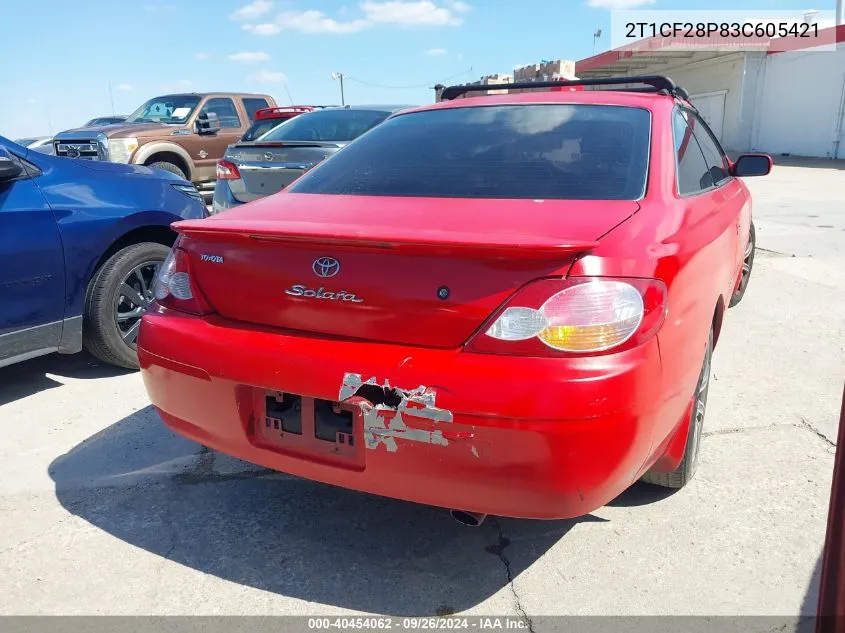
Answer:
(60, 56)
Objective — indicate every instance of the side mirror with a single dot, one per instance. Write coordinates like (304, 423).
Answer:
(752, 165)
(207, 123)
(9, 167)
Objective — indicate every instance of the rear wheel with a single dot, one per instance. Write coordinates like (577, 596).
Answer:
(117, 298)
(747, 265)
(679, 477)
(171, 167)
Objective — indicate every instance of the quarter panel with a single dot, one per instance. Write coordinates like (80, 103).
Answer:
(690, 244)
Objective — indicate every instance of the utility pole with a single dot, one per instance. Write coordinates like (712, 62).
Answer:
(340, 77)
(111, 98)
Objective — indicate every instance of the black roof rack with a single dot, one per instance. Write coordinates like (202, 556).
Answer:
(651, 83)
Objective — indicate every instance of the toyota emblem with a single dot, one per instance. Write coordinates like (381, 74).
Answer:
(325, 267)
(268, 157)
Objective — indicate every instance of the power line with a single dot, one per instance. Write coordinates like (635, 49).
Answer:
(427, 84)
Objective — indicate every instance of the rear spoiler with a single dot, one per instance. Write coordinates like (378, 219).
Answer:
(512, 246)
(286, 144)
(268, 113)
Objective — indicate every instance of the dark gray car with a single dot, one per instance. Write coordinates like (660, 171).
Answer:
(254, 169)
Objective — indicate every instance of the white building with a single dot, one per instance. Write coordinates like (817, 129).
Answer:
(774, 96)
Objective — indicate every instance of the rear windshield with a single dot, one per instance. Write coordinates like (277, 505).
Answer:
(559, 151)
(328, 125)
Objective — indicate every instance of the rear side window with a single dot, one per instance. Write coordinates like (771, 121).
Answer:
(253, 105)
(225, 110)
(558, 151)
(339, 125)
(693, 172)
(713, 154)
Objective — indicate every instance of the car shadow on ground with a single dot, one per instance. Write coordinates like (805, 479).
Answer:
(33, 376)
(810, 605)
(142, 484)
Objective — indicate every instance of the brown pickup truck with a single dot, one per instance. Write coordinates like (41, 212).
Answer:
(183, 133)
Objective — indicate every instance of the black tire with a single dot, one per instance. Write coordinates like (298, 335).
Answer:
(747, 266)
(681, 476)
(108, 330)
(168, 166)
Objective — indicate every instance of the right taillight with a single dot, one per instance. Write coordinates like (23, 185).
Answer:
(175, 288)
(575, 317)
(227, 170)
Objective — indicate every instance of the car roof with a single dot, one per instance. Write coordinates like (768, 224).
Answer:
(376, 108)
(212, 94)
(596, 97)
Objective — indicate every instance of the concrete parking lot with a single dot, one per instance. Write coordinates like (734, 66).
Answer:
(104, 511)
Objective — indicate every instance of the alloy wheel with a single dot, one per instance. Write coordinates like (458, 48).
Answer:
(700, 405)
(747, 260)
(133, 298)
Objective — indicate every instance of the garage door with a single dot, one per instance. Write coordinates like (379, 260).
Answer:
(711, 107)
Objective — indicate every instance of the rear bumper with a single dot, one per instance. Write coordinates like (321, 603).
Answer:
(223, 198)
(531, 438)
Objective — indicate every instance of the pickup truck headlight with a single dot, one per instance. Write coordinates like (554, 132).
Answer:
(120, 149)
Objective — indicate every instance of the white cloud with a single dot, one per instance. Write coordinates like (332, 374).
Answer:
(268, 77)
(620, 5)
(419, 13)
(252, 10)
(458, 6)
(125, 87)
(403, 13)
(202, 55)
(250, 57)
(435, 52)
(316, 22)
(263, 29)
(31, 101)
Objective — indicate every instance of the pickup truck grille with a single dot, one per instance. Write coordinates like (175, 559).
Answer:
(82, 148)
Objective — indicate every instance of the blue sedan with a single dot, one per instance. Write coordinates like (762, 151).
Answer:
(81, 243)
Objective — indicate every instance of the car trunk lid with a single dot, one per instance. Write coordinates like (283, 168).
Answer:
(268, 167)
(415, 271)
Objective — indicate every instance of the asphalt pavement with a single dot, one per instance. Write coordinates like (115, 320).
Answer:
(104, 511)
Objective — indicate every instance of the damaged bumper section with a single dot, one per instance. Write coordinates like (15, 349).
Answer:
(507, 436)
(384, 409)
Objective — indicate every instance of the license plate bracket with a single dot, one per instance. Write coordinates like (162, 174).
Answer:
(309, 427)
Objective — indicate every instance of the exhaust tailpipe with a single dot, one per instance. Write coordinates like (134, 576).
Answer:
(472, 519)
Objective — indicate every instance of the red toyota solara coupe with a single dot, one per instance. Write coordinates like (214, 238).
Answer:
(504, 304)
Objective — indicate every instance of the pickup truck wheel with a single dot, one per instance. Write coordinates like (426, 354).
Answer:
(117, 297)
(166, 166)
(681, 476)
(747, 265)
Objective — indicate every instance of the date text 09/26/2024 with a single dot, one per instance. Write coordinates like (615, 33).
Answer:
(736, 30)
(417, 624)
